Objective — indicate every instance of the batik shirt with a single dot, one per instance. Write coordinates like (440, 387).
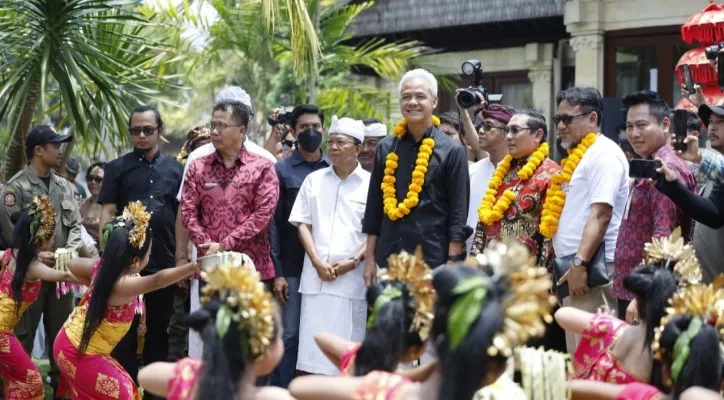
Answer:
(522, 219)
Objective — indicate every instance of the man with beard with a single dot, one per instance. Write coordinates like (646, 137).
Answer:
(43, 150)
(375, 130)
(419, 187)
(307, 125)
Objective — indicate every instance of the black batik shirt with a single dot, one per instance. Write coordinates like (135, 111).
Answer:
(441, 215)
(155, 184)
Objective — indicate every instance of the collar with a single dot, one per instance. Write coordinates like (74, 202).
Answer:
(663, 151)
(36, 180)
(356, 172)
(242, 157)
(296, 158)
(431, 132)
(142, 158)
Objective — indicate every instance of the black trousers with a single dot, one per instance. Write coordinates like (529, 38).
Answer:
(159, 308)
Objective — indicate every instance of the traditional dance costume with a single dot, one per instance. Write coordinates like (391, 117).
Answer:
(20, 376)
(186, 374)
(640, 391)
(346, 364)
(94, 374)
(593, 360)
(379, 385)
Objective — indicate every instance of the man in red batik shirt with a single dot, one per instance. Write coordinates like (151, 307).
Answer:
(648, 212)
(230, 195)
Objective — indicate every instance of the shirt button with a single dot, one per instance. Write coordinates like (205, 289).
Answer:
(151, 180)
(151, 196)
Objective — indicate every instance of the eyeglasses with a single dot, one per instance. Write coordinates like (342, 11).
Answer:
(290, 144)
(338, 143)
(515, 129)
(219, 126)
(487, 127)
(567, 119)
(146, 130)
(95, 179)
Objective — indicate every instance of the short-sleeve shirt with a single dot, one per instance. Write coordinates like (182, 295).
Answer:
(154, 183)
(600, 177)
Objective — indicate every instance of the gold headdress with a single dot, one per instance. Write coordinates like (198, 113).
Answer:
(415, 273)
(192, 137)
(528, 301)
(42, 212)
(246, 302)
(134, 217)
(672, 250)
(705, 304)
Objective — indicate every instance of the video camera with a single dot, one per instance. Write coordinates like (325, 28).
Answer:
(468, 97)
(712, 52)
(284, 117)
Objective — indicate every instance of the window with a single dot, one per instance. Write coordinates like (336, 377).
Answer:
(643, 59)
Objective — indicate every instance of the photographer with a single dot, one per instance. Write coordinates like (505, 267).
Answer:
(279, 121)
(471, 134)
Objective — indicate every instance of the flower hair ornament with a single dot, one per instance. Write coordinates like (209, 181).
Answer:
(668, 251)
(245, 302)
(42, 214)
(526, 306)
(135, 217)
(705, 305)
(414, 272)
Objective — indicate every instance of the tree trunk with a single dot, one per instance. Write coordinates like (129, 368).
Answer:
(16, 159)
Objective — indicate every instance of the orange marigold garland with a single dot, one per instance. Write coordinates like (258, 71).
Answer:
(555, 197)
(393, 209)
(491, 211)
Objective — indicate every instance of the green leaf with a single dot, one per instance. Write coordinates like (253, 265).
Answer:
(466, 309)
(223, 320)
(388, 294)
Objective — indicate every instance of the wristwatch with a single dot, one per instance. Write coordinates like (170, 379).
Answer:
(579, 262)
(456, 257)
(355, 259)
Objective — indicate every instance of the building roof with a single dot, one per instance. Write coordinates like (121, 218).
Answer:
(395, 16)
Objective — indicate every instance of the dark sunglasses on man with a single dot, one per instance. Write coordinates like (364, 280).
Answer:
(94, 179)
(146, 130)
(289, 144)
(567, 119)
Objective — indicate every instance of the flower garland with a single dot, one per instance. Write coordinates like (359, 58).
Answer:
(393, 209)
(491, 211)
(555, 197)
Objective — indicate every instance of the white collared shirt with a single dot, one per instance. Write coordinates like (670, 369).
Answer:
(600, 177)
(334, 208)
(480, 174)
(208, 148)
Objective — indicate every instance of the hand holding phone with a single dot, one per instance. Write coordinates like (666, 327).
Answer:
(639, 168)
(688, 78)
(680, 129)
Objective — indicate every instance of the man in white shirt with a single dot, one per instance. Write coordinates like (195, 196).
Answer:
(595, 200)
(233, 93)
(328, 212)
(491, 139)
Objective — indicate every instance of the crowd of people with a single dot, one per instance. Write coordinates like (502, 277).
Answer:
(451, 259)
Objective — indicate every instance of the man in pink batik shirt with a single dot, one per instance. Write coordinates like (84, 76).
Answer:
(230, 195)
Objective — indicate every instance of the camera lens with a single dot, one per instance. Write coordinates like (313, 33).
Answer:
(466, 98)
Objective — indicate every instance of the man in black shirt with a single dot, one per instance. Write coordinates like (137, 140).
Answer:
(438, 220)
(148, 176)
(307, 123)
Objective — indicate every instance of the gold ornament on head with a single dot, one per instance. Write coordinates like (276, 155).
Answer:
(415, 273)
(245, 300)
(555, 196)
(42, 215)
(392, 208)
(703, 301)
(672, 250)
(528, 302)
(137, 217)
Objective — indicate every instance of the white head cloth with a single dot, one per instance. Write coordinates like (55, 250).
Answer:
(348, 126)
(234, 94)
(376, 130)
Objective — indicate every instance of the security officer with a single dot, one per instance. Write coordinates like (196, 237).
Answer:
(43, 150)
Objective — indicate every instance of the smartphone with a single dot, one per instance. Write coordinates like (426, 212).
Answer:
(720, 74)
(680, 129)
(687, 78)
(639, 168)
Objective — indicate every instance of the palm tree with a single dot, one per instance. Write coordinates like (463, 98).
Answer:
(92, 58)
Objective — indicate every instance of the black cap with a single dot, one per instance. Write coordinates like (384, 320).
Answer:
(72, 165)
(706, 110)
(42, 134)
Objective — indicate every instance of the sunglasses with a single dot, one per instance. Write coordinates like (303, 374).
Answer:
(291, 144)
(95, 179)
(567, 119)
(146, 130)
